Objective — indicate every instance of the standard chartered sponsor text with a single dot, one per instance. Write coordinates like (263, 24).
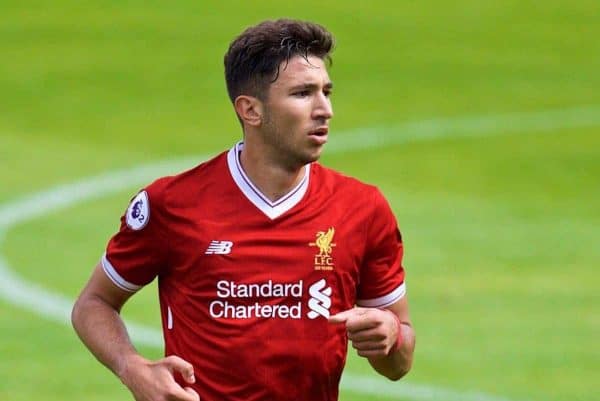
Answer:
(230, 291)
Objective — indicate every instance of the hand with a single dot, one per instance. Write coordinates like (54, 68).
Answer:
(373, 332)
(154, 381)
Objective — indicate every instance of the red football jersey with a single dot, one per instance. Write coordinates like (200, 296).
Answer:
(246, 284)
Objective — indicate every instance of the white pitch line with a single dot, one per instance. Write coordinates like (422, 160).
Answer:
(469, 127)
(57, 307)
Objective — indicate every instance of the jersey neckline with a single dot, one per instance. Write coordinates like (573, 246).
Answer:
(271, 209)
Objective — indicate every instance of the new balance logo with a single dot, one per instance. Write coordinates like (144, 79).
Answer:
(219, 248)
(320, 300)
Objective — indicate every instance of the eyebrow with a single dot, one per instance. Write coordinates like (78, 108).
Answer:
(311, 86)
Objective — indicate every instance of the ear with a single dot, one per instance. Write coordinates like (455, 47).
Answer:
(249, 109)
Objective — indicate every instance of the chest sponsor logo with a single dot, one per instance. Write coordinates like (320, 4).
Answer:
(324, 241)
(219, 248)
(270, 300)
(320, 299)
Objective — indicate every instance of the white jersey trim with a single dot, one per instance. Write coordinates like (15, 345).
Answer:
(116, 278)
(385, 300)
(271, 209)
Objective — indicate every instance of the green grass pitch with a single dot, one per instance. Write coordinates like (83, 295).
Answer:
(500, 217)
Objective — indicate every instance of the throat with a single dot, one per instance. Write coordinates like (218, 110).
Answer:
(274, 182)
(276, 185)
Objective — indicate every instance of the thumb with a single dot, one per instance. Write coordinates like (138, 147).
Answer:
(182, 366)
(342, 317)
(193, 393)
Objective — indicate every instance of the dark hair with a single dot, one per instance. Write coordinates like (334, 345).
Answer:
(253, 59)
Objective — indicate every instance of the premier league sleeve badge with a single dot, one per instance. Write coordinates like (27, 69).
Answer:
(138, 212)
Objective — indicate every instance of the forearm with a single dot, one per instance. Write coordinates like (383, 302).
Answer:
(101, 329)
(397, 364)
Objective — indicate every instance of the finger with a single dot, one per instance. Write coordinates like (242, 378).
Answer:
(340, 317)
(364, 321)
(182, 366)
(372, 353)
(193, 393)
(368, 346)
(345, 315)
(178, 393)
(370, 334)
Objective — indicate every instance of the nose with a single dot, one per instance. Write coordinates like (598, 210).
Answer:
(322, 108)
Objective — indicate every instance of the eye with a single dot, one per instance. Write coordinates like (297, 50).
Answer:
(327, 92)
(302, 93)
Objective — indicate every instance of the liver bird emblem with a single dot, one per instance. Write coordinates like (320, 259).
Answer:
(324, 242)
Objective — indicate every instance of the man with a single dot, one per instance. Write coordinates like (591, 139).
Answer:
(261, 254)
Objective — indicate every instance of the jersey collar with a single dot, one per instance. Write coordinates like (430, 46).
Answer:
(271, 209)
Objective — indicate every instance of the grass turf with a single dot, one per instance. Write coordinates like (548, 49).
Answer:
(501, 232)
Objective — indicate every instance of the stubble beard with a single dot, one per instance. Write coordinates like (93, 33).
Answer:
(284, 152)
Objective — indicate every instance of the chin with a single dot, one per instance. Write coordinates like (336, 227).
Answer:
(306, 156)
(303, 160)
(313, 156)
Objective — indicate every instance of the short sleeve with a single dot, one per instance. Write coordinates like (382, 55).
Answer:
(382, 275)
(138, 251)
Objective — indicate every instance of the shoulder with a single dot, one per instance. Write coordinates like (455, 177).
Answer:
(154, 203)
(183, 185)
(357, 199)
(340, 184)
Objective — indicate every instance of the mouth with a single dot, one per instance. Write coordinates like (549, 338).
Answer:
(319, 135)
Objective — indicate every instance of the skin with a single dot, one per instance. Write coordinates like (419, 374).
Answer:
(96, 319)
(282, 133)
(277, 130)
(277, 146)
(373, 333)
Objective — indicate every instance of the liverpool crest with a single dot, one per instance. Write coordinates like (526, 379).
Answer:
(324, 241)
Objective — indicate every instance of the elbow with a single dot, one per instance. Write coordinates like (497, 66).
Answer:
(80, 310)
(399, 369)
(76, 313)
(398, 373)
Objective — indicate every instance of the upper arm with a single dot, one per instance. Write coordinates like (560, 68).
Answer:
(138, 252)
(400, 308)
(381, 281)
(101, 288)
(134, 255)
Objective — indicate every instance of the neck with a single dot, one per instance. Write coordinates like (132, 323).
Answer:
(273, 179)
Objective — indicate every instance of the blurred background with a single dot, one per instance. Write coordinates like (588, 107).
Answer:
(480, 121)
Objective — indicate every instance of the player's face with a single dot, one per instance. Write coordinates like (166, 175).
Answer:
(297, 112)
